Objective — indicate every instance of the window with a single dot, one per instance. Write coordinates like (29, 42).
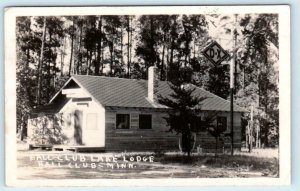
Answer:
(122, 121)
(222, 123)
(91, 121)
(145, 121)
(198, 124)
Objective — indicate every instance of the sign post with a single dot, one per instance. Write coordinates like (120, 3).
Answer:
(232, 63)
(216, 54)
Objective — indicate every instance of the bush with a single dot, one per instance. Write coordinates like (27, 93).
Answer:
(46, 129)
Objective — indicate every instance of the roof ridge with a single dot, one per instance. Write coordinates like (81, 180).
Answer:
(111, 77)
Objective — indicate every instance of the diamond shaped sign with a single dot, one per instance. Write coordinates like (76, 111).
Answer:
(215, 53)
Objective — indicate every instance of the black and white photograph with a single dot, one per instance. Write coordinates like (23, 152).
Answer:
(187, 95)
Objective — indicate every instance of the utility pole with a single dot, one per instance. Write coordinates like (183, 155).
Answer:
(232, 79)
(231, 102)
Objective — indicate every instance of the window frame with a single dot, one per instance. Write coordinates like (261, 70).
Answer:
(151, 126)
(116, 124)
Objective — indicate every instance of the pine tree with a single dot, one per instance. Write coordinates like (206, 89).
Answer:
(184, 109)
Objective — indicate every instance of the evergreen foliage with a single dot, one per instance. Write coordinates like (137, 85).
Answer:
(185, 108)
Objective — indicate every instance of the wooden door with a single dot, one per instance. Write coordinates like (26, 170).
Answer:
(78, 127)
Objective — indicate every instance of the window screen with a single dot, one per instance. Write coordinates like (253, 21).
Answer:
(122, 121)
(145, 121)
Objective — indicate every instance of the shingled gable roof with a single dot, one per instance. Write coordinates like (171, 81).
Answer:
(120, 92)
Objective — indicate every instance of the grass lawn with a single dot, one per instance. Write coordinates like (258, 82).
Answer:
(61, 165)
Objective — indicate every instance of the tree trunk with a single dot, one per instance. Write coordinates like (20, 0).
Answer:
(189, 144)
(259, 119)
(22, 128)
(194, 50)
(62, 57)
(40, 64)
(102, 58)
(152, 41)
(171, 58)
(185, 60)
(54, 71)
(95, 57)
(162, 63)
(216, 153)
(48, 77)
(266, 130)
(244, 79)
(61, 64)
(71, 56)
(99, 48)
(172, 52)
(266, 102)
(79, 60)
(167, 65)
(89, 61)
(128, 46)
(122, 60)
(111, 58)
(27, 57)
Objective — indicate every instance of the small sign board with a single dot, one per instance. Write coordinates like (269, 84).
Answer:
(215, 53)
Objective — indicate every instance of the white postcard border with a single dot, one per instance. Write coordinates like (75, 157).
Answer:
(284, 93)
